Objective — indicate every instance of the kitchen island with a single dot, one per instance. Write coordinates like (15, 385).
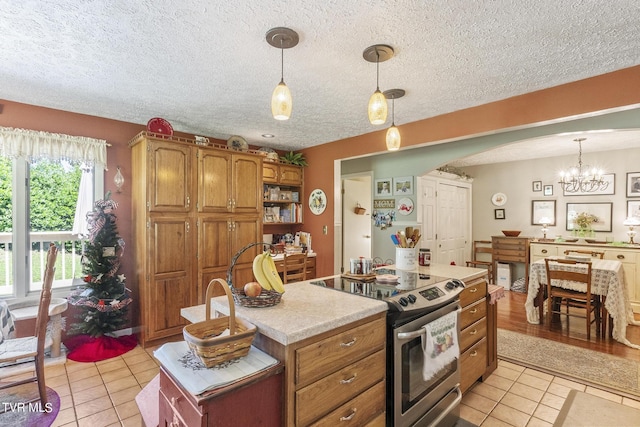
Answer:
(321, 334)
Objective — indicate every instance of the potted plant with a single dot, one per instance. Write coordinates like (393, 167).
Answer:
(293, 159)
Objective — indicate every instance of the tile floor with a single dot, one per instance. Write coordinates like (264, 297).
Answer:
(103, 393)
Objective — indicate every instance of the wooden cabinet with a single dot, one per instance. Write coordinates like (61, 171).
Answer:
(281, 185)
(628, 256)
(335, 374)
(511, 250)
(225, 406)
(193, 207)
(473, 332)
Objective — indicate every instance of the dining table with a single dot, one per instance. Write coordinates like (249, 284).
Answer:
(607, 280)
(7, 327)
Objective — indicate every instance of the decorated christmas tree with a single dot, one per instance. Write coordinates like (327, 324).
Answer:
(104, 298)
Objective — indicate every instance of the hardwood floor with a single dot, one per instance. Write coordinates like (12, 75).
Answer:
(512, 316)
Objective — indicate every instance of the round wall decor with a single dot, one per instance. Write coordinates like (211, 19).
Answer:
(317, 201)
(499, 199)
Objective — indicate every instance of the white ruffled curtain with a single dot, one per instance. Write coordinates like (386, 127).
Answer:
(35, 145)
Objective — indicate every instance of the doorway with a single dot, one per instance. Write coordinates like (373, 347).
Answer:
(446, 215)
(356, 227)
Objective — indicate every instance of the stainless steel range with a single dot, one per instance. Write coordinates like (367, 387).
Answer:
(415, 300)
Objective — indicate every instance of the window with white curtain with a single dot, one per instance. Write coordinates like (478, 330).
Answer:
(48, 182)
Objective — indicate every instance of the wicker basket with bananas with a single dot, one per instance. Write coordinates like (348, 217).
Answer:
(268, 288)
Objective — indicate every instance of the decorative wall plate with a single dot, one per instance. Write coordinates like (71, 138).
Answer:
(160, 126)
(499, 199)
(405, 206)
(237, 143)
(317, 201)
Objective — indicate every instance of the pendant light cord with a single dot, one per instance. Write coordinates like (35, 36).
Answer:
(393, 111)
(377, 70)
(281, 62)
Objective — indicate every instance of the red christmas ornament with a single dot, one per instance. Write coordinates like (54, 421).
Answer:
(87, 278)
(101, 303)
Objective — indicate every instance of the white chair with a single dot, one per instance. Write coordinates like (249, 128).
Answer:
(18, 350)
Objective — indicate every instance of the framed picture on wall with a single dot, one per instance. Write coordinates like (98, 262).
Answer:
(498, 213)
(599, 212)
(537, 186)
(548, 190)
(402, 185)
(543, 211)
(633, 208)
(383, 187)
(633, 184)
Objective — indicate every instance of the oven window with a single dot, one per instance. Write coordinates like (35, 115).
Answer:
(414, 388)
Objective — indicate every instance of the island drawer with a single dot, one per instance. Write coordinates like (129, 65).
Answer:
(472, 313)
(473, 333)
(473, 364)
(358, 411)
(326, 394)
(316, 360)
(473, 292)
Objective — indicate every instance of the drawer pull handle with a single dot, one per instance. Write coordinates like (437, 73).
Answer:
(473, 311)
(350, 417)
(544, 251)
(620, 256)
(474, 353)
(349, 381)
(348, 344)
(473, 290)
(475, 331)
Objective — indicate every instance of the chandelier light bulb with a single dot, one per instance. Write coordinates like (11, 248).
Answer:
(377, 108)
(281, 102)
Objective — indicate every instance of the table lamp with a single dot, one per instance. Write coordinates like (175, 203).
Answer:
(631, 222)
(545, 221)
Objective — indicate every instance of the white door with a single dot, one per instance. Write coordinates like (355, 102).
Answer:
(356, 239)
(446, 219)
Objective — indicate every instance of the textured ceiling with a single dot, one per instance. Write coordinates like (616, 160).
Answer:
(206, 67)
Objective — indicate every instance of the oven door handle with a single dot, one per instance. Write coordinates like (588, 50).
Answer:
(403, 336)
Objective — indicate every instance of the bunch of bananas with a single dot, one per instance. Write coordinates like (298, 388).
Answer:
(265, 272)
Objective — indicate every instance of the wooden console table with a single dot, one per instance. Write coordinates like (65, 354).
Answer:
(511, 250)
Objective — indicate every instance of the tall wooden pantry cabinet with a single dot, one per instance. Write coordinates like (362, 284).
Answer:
(193, 207)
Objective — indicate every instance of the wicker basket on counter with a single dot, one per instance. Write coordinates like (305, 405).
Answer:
(265, 299)
(208, 341)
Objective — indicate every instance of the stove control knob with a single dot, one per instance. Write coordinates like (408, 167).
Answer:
(403, 301)
(412, 298)
(450, 285)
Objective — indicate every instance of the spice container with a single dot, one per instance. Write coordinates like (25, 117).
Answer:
(424, 257)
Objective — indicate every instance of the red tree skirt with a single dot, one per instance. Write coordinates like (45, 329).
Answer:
(83, 348)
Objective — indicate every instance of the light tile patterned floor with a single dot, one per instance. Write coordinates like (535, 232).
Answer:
(103, 393)
(523, 397)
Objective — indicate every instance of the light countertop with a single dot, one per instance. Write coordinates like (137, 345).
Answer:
(306, 310)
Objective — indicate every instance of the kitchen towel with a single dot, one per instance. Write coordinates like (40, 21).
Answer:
(440, 344)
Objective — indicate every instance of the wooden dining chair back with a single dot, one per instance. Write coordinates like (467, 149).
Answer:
(19, 349)
(580, 252)
(482, 249)
(295, 268)
(573, 301)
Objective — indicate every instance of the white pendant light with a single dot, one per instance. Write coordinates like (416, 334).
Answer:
(377, 108)
(281, 101)
(393, 138)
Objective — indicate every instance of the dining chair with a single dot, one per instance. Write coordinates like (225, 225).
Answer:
(16, 350)
(557, 296)
(480, 247)
(295, 268)
(592, 254)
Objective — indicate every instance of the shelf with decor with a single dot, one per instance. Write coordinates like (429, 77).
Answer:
(282, 194)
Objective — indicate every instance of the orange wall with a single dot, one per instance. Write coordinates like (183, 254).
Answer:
(616, 89)
(611, 90)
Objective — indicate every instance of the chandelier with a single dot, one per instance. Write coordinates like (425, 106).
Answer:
(581, 178)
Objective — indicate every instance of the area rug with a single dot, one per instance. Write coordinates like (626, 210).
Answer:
(83, 348)
(17, 413)
(611, 373)
(586, 410)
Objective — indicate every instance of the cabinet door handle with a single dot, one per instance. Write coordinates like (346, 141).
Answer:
(544, 251)
(229, 203)
(188, 201)
(620, 256)
(348, 344)
(474, 353)
(350, 417)
(348, 381)
(475, 331)
(473, 290)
